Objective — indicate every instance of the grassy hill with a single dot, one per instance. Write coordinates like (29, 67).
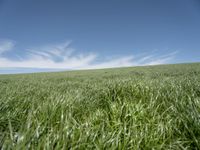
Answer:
(155, 107)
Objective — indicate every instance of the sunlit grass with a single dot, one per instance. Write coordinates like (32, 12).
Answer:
(130, 108)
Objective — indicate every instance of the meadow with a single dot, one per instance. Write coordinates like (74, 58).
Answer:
(151, 107)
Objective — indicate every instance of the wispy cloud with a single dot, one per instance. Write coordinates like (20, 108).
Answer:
(155, 60)
(62, 56)
(6, 45)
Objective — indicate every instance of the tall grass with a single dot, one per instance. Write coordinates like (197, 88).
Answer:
(154, 107)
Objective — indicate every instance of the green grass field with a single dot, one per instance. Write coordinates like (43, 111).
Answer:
(155, 107)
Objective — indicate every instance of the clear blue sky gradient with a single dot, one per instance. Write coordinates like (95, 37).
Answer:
(106, 27)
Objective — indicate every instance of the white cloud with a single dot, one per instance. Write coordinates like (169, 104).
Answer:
(162, 59)
(6, 45)
(62, 56)
(124, 61)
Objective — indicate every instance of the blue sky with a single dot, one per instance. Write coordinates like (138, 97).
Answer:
(88, 34)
